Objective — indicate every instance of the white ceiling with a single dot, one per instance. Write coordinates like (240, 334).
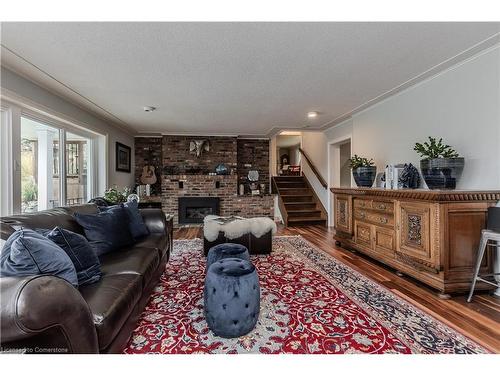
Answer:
(232, 78)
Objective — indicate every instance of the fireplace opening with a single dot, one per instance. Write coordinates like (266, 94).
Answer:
(192, 210)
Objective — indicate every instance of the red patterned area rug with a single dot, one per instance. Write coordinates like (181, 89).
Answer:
(310, 303)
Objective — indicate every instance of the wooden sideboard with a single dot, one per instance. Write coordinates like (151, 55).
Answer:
(431, 235)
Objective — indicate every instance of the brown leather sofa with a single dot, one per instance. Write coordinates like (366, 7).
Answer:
(45, 314)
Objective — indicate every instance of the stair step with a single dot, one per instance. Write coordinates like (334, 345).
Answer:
(313, 210)
(291, 184)
(297, 198)
(288, 178)
(303, 213)
(300, 205)
(304, 220)
(294, 191)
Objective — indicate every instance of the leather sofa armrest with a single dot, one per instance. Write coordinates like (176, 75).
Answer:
(154, 218)
(170, 230)
(34, 305)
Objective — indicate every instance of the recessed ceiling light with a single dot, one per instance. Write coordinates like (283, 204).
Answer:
(289, 132)
(312, 114)
(149, 109)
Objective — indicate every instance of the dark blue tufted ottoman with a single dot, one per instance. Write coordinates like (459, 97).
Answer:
(227, 250)
(232, 297)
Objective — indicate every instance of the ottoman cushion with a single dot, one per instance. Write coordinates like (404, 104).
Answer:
(231, 297)
(227, 250)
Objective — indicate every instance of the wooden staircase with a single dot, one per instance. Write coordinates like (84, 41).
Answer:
(298, 202)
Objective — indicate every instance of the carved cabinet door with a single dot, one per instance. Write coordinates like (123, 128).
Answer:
(415, 234)
(363, 234)
(343, 213)
(384, 241)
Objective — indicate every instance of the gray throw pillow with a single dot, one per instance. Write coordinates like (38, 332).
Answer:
(28, 253)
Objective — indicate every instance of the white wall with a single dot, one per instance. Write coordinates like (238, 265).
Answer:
(462, 105)
(315, 145)
(27, 89)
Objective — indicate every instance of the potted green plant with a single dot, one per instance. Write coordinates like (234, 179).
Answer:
(115, 196)
(363, 170)
(441, 165)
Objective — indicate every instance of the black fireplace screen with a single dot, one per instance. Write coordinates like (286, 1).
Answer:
(192, 210)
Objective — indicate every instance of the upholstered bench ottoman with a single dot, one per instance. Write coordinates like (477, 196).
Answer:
(231, 297)
(227, 250)
(256, 233)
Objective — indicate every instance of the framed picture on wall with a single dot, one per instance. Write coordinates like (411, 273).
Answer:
(123, 157)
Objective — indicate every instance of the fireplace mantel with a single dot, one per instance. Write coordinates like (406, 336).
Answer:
(224, 187)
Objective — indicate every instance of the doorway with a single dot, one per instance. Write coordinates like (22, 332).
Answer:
(288, 154)
(339, 172)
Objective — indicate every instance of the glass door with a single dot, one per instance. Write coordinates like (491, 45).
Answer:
(77, 167)
(40, 177)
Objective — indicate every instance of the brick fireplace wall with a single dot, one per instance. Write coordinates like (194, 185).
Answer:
(253, 154)
(205, 186)
(176, 154)
(174, 163)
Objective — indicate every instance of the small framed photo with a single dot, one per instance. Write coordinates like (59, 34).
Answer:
(123, 157)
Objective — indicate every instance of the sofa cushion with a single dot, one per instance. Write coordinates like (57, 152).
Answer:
(154, 241)
(27, 253)
(48, 219)
(80, 252)
(111, 300)
(106, 231)
(134, 260)
(136, 224)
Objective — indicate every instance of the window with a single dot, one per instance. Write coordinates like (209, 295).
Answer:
(46, 161)
(40, 187)
(77, 160)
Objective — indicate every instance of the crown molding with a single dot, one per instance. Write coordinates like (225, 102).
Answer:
(158, 135)
(47, 114)
(62, 90)
(447, 65)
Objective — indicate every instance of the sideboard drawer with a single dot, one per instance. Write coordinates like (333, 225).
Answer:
(381, 219)
(362, 203)
(360, 214)
(383, 206)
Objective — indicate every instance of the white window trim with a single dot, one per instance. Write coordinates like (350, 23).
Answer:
(7, 165)
(17, 107)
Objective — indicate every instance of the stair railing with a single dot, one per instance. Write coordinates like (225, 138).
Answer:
(314, 169)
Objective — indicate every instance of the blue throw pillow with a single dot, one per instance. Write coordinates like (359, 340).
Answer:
(106, 231)
(28, 253)
(80, 252)
(137, 227)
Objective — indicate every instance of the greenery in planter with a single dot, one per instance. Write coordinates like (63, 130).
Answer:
(29, 191)
(114, 195)
(435, 149)
(357, 161)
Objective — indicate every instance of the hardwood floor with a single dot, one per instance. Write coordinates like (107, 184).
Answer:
(479, 320)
